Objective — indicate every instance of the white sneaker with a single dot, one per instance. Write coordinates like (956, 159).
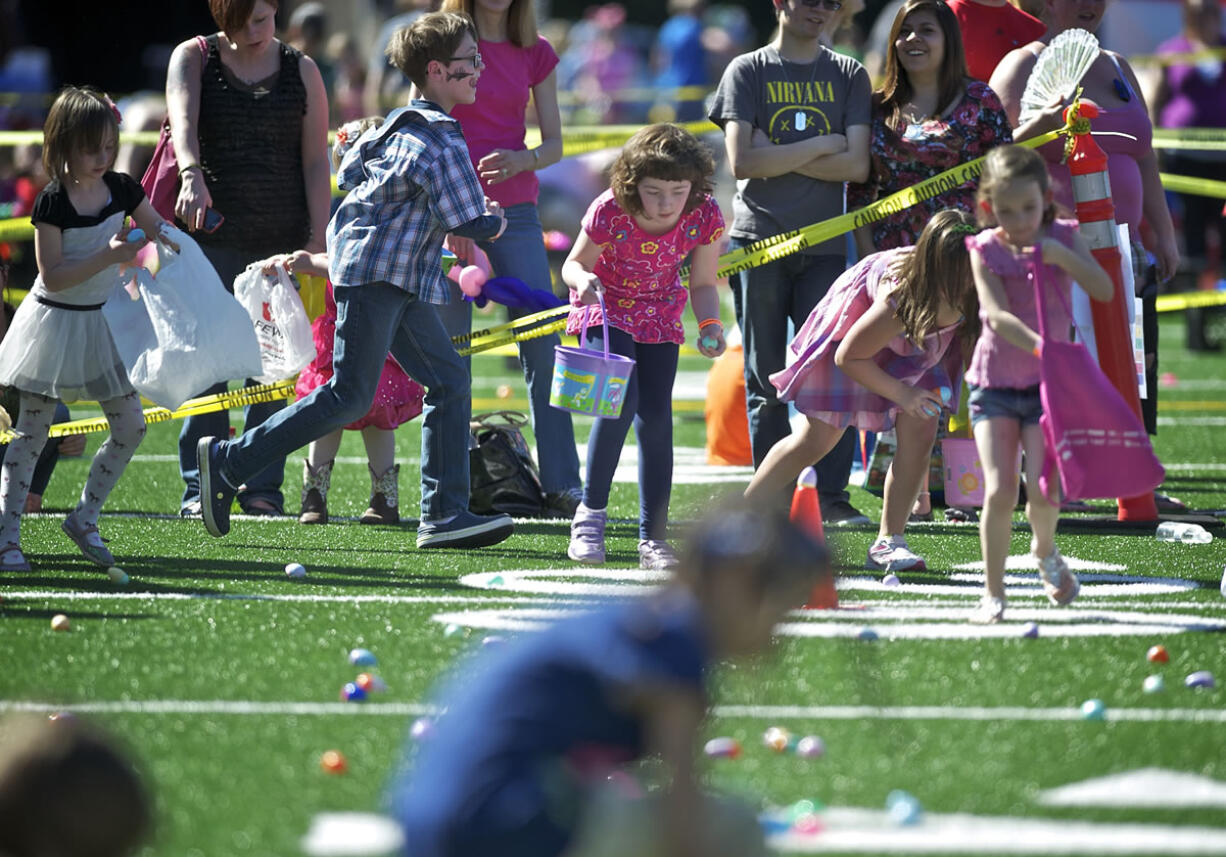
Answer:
(892, 554)
(990, 611)
(1060, 584)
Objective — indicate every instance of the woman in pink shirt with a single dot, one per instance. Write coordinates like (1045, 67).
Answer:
(518, 63)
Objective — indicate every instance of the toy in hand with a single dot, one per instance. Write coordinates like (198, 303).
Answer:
(945, 393)
(136, 234)
(475, 282)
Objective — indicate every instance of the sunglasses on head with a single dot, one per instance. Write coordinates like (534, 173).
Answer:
(829, 5)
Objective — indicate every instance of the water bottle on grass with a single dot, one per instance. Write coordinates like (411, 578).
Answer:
(1189, 534)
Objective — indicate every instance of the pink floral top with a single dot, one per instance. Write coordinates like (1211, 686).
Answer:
(643, 293)
(904, 157)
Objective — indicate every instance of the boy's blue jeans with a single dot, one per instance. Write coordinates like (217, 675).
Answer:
(520, 252)
(371, 320)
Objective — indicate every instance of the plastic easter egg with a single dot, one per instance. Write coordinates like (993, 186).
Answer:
(1093, 709)
(867, 634)
(891, 579)
(808, 825)
(59, 622)
(722, 748)
(1153, 684)
(136, 234)
(351, 692)
(810, 747)
(492, 640)
(904, 808)
(295, 571)
(472, 278)
(118, 576)
(362, 658)
(370, 683)
(946, 394)
(1200, 678)
(709, 342)
(1030, 631)
(1157, 655)
(333, 761)
(452, 630)
(776, 738)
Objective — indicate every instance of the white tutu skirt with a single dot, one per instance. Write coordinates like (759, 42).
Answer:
(62, 354)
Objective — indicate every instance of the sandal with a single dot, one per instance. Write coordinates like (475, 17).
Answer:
(12, 559)
(88, 541)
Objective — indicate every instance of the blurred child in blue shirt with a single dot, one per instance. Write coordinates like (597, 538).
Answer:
(529, 739)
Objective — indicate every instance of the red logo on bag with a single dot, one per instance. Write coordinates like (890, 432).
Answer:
(267, 312)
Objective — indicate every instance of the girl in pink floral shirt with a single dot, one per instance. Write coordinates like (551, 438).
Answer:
(635, 238)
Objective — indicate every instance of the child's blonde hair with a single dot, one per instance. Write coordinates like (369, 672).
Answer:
(521, 19)
(938, 268)
(434, 37)
(79, 121)
(348, 134)
(665, 152)
(1005, 165)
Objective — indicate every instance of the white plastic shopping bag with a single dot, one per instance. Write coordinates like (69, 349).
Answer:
(185, 332)
(280, 321)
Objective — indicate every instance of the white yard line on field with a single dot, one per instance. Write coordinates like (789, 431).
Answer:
(753, 712)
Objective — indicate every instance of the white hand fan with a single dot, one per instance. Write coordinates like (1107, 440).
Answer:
(1058, 70)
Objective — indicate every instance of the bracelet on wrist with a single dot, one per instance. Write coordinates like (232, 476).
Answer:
(707, 322)
(190, 167)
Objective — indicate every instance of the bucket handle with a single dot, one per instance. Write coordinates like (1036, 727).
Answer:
(604, 317)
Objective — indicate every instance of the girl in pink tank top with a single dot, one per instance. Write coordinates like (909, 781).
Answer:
(1015, 193)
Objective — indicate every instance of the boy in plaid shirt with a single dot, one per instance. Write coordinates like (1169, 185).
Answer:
(410, 182)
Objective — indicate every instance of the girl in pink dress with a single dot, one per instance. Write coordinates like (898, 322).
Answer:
(885, 345)
(398, 398)
(635, 237)
(1015, 192)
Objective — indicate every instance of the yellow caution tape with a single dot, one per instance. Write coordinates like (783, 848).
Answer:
(190, 408)
(1191, 139)
(1190, 300)
(1191, 58)
(1197, 187)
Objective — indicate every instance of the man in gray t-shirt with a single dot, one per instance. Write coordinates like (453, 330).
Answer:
(796, 119)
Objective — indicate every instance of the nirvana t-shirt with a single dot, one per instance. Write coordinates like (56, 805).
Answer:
(791, 102)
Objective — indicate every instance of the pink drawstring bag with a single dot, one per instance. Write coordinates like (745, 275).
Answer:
(1095, 442)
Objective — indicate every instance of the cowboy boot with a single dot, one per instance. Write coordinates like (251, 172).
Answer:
(315, 484)
(384, 497)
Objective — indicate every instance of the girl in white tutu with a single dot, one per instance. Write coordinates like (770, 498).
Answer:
(59, 346)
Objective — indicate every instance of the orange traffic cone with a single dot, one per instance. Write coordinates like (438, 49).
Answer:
(807, 514)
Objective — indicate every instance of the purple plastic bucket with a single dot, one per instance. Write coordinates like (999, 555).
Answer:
(589, 382)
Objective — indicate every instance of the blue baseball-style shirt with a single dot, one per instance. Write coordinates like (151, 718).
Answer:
(409, 183)
(529, 729)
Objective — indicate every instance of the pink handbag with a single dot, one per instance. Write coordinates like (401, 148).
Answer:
(1094, 440)
(161, 178)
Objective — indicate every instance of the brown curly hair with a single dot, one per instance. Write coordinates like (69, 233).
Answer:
(665, 152)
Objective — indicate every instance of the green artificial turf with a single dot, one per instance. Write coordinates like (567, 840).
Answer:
(205, 621)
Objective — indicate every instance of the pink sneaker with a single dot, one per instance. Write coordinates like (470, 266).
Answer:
(587, 536)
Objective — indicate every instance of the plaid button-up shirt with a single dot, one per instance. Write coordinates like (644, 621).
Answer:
(409, 183)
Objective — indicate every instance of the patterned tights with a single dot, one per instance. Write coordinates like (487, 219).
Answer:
(127, 429)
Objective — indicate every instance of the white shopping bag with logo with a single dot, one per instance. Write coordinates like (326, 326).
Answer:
(281, 324)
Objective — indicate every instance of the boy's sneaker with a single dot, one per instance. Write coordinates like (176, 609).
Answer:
(657, 555)
(840, 513)
(892, 554)
(216, 494)
(990, 611)
(87, 541)
(12, 559)
(587, 536)
(465, 530)
(1060, 584)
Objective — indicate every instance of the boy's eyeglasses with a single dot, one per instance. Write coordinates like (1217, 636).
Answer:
(830, 5)
(478, 62)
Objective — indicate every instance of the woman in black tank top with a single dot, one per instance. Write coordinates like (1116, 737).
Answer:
(249, 116)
